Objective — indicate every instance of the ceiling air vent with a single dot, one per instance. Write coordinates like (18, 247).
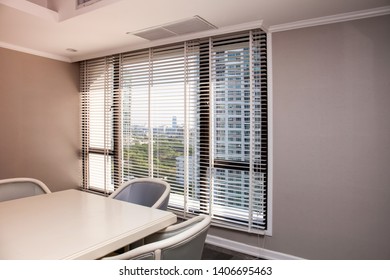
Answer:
(83, 3)
(192, 25)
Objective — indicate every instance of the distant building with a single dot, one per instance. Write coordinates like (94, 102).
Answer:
(174, 122)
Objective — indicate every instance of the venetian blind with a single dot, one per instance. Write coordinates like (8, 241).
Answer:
(100, 112)
(159, 89)
(239, 90)
(192, 113)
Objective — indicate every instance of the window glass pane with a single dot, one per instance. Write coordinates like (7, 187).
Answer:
(100, 120)
(100, 172)
(238, 196)
(135, 132)
(232, 78)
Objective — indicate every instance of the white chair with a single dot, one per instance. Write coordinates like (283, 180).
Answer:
(149, 192)
(21, 187)
(183, 241)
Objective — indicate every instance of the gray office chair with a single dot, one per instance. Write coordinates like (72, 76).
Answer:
(149, 192)
(21, 187)
(183, 241)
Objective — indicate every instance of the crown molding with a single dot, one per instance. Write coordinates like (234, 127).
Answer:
(34, 52)
(331, 19)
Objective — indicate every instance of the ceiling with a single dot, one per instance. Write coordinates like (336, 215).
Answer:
(56, 29)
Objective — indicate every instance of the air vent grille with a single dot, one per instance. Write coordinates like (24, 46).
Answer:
(83, 3)
(187, 26)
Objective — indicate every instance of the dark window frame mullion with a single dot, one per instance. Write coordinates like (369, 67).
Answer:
(204, 123)
(84, 88)
(117, 124)
(99, 151)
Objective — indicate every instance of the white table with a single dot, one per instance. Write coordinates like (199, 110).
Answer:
(73, 224)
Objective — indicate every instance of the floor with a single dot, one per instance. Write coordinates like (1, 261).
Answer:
(211, 252)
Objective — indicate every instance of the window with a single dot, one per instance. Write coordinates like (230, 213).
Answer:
(194, 114)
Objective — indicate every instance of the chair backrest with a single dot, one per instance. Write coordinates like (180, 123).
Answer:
(183, 241)
(151, 192)
(21, 187)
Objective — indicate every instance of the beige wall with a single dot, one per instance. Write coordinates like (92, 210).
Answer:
(39, 119)
(331, 142)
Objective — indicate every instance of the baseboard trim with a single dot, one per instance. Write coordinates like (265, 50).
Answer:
(248, 249)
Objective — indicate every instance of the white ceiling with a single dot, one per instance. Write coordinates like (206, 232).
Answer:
(50, 27)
